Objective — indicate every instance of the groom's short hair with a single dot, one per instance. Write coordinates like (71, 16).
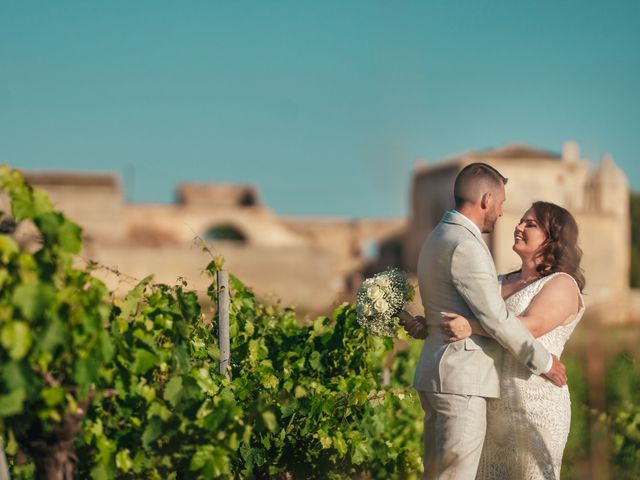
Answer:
(474, 180)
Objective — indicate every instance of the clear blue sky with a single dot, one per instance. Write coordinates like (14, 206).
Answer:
(325, 105)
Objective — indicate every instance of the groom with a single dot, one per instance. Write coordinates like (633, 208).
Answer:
(456, 274)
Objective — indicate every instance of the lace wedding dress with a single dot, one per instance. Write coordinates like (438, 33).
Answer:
(527, 427)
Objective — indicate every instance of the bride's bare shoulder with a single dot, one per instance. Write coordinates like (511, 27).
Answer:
(562, 287)
(563, 281)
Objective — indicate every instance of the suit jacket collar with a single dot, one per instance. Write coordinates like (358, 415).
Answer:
(467, 221)
(456, 218)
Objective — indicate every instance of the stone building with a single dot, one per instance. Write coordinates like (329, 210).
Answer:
(597, 197)
(312, 263)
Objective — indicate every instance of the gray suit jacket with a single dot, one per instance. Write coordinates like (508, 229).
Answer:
(456, 274)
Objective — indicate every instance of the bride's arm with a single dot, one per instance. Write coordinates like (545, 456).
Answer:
(556, 304)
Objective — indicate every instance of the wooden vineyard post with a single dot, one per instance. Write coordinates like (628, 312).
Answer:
(4, 467)
(596, 359)
(386, 376)
(223, 322)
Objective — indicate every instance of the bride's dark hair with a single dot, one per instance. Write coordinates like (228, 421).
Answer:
(560, 251)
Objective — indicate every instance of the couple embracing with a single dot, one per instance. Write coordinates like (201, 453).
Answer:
(493, 390)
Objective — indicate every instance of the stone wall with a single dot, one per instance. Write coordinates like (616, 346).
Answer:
(312, 263)
(300, 276)
(93, 200)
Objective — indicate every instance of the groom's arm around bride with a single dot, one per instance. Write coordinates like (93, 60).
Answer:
(477, 287)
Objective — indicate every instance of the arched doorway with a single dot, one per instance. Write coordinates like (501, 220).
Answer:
(225, 232)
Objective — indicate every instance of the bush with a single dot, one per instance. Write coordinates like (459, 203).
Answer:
(623, 419)
(130, 388)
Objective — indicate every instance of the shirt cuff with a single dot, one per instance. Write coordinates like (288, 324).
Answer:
(549, 364)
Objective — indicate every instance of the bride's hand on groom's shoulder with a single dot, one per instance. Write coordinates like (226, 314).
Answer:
(415, 327)
(455, 326)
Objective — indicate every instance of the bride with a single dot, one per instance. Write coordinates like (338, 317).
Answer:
(527, 427)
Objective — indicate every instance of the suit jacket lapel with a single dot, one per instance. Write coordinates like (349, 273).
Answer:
(457, 219)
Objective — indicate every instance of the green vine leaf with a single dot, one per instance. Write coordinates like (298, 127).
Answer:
(16, 338)
(33, 298)
(12, 403)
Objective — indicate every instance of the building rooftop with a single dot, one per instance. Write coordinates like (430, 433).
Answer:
(515, 151)
(81, 179)
(219, 194)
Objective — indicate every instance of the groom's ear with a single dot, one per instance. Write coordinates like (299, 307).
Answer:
(485, 200)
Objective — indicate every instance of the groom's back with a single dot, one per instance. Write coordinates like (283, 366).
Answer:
(434, 272)
(468, 366)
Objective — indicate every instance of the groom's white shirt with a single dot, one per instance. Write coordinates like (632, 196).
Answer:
(477, 230)
(456, 273)
(468, 220)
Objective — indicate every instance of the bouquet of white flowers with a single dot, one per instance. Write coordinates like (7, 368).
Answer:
(380, 299)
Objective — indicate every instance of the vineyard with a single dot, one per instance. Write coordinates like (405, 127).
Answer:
(94, 386)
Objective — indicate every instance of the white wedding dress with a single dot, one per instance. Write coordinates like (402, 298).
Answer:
(527, 427)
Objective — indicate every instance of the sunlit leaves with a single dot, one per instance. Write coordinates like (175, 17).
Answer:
(27, 203)
(152, 431)
(269, 381)
(269, 419)
(58, 230)
(9, 248)
(132, 300)
(53, 396)
(33, 298)
(173, 390)
(289, 381)
(143, 360)
(52, 320)
(85, 373)
(53, 335)
(124, 461)
(211, 462)
(16, 339)
(12, 402)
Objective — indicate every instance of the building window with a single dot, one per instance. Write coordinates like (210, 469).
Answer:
(225, 233)
(248, 199)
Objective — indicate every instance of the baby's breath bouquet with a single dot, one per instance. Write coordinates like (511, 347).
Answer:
(380, 299)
